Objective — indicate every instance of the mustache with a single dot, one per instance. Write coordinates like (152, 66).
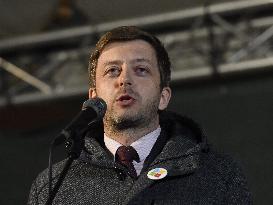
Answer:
(126, 91)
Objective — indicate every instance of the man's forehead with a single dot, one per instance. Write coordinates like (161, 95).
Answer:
(130, 43)
(137, 50)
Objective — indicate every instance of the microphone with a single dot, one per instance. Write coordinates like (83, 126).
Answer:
(92, 110)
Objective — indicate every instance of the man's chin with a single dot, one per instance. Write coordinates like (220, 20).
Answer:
(125, 115)
(126, 121)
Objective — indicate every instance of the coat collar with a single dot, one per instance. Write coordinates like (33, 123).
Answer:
(180, 137)
(177, 149)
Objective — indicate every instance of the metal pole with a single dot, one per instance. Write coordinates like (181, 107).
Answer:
(23, 75)
(179, 17)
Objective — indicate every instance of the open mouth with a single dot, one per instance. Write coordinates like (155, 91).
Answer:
(124, 97)
(125, 100)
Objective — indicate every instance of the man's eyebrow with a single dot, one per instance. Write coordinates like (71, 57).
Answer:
(118, 62)
(112, 62)
(142, 60)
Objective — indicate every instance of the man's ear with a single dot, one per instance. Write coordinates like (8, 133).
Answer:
(92, 93)
(166, 94)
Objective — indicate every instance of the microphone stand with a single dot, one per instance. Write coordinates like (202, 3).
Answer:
(74, 142)
(73, 135)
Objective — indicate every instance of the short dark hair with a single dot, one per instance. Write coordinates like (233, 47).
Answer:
(129, 33)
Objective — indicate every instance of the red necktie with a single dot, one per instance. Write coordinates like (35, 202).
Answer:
(125, 156)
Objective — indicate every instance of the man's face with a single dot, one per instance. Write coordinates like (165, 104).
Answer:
(128, 80)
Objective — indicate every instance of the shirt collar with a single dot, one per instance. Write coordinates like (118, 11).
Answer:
(143, 146)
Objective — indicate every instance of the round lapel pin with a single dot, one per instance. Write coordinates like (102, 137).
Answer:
(157, 173)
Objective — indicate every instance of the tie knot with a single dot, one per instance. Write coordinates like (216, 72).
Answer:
(126, 154)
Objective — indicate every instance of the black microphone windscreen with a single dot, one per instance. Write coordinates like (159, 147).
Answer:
(97, 104)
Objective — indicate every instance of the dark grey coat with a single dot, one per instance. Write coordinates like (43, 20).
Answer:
(196, 174)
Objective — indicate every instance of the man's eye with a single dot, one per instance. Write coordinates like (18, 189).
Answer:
(142, 71)
(113, 72)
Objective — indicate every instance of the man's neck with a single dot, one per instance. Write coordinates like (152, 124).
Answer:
(128, 136)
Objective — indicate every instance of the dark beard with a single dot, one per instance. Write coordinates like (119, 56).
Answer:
(139, 121)
(125, 124)
(143, 119)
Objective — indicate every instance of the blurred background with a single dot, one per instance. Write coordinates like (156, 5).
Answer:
(222, 66)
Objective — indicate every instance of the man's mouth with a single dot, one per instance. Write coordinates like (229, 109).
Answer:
(125, 100)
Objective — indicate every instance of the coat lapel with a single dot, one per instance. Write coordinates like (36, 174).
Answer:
(178, 159)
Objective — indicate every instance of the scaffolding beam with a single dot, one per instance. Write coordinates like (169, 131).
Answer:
(174, 18)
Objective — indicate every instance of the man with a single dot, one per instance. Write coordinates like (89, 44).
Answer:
(141, 154)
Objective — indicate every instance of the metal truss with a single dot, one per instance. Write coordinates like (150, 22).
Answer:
(203, 42)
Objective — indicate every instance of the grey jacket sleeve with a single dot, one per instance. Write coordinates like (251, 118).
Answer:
(33, 196)
(237, 188)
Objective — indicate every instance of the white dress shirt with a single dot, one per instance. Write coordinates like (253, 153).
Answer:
(143, 146)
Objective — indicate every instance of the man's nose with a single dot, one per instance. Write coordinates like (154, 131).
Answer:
(125, 78)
